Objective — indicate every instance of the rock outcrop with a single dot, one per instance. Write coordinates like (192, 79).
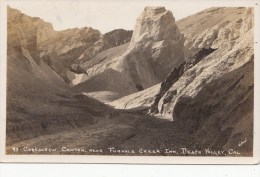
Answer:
(210, 22)
(156, 33)
(107, 41)
(211, 28)
(38, 100)
(214, 98)
(211, 93)
(208, 93)
(65, 47)
(155, 48)
(117, 37)
(23, 38)
(174, 76)
(65, 50)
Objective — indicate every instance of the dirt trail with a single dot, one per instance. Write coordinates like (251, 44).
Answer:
(122, 130)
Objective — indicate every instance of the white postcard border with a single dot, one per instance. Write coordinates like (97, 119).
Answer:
(135, 159)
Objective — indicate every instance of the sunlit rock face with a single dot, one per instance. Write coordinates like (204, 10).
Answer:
(156, 47)
(155, 31)
(64, 51)
(214, 97)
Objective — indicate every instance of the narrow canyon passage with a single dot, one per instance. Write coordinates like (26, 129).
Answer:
(121, 131)
(78, 91)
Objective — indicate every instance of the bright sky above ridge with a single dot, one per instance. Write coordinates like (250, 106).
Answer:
(100, 14)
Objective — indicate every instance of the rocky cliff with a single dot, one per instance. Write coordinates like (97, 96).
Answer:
(211, 28)
(201, 83)
(211, 93)
(65, 50)
(65, 47)
(157, 34)
(155, 48)
(38, 100)
(24, 37)
(216, 94)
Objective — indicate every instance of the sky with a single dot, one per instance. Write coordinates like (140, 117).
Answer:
(104, 15)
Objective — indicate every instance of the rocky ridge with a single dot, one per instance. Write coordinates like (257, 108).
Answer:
(196, 25)
(211, 94)
(81, 46)
(65, 50)
(156, 41)
(38, 100)
(207, 94)
(211, 28)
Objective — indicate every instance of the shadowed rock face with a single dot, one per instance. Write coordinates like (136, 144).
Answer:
(38, 100)
(64, 50)
(216, 94)
(175, 74)
(65, 47)
(68, 49)
(222, 112)
(117, 37)
(155, 48)
(242, 47)
(27, 32)
(209, 96)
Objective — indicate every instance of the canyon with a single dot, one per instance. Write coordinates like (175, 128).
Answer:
(166, 84)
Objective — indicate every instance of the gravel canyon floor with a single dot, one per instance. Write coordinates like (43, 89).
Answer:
(177, 88)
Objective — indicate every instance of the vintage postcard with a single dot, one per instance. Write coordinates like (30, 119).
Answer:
(160, 82)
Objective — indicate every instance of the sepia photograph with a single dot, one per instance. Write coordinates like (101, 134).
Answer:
(129, 79)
